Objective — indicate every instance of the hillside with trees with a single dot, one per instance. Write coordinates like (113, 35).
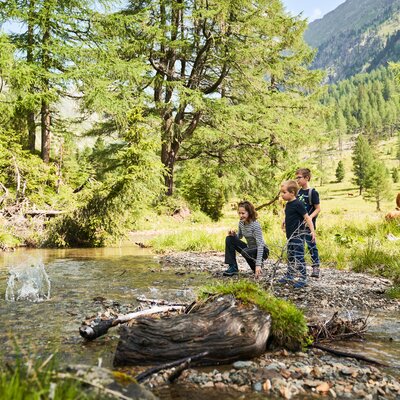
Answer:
(366, 103)
(358, 36)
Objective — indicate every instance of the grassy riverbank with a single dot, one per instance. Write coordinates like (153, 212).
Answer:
(351, 234)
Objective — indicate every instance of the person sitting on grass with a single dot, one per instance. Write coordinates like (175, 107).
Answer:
(255, 250)
(296, 219)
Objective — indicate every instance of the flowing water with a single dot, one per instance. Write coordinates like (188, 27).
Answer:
(45, 295)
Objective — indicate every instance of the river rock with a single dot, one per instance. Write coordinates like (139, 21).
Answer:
(242, 364)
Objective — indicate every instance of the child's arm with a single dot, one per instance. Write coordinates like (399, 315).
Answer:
(310, 224)
(317, 210)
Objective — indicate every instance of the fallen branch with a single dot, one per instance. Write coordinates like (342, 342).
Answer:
(346, 354)
(336, 328)
(183, 363)
(142, 299)
(93, 332)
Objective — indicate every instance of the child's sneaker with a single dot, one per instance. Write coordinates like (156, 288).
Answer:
(285, 279)
(300, 284)
(232, 270)
(315, 272)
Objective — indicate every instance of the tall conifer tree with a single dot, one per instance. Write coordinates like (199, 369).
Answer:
(362, 162)
(52, 32)
(199, 58)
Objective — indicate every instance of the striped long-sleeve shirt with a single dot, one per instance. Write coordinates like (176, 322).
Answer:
(254, 237)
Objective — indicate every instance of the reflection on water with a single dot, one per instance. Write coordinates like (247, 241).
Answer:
(382, 341)
(78, 276)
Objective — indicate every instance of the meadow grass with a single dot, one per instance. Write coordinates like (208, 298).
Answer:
(394, 292)
(193, 240)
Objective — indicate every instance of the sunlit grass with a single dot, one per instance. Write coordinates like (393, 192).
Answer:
(195, 240)
(29, 380)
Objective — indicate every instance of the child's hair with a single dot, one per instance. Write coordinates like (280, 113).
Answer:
(250, 209)
(291, 186)
(304, 172)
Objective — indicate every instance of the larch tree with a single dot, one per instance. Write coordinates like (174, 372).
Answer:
(340, 171)
(50, 34)
(362, 162)
(378, 185)
(203, 60)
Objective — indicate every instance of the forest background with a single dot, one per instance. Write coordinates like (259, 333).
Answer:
(130, 117)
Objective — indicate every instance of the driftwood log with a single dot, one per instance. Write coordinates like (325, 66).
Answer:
(91, 332)
(223, 329)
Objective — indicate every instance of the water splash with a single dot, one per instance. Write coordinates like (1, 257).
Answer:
(29, 282)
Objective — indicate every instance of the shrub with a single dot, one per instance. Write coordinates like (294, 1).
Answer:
(203, 189)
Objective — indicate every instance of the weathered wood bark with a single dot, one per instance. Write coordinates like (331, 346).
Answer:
(93, 332)
(227, 331)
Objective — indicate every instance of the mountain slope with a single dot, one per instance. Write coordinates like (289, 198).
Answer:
(358, 36)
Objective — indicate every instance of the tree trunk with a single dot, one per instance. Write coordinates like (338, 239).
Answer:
(31, 131)
(45, 125)
(223, 329)
(29, 58)
(168, 158)
(45, 109)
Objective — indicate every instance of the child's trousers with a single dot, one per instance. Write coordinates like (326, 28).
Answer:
(296, 260)
(233, 244)
(312, 247)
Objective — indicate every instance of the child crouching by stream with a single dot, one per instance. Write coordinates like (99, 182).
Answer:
(255, 250)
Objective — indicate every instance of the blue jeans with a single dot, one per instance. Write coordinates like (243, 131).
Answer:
(312, 248)
(296, 262)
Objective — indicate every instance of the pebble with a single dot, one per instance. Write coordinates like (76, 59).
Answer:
(293, 376)
(243, 364)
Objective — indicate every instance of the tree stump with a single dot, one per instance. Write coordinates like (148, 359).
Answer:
(225, 329)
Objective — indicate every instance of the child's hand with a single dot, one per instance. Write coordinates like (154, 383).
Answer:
(232, 232)
(257, 272)
(313, 237)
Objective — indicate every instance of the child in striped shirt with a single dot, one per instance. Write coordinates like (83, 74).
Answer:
(255, 250)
